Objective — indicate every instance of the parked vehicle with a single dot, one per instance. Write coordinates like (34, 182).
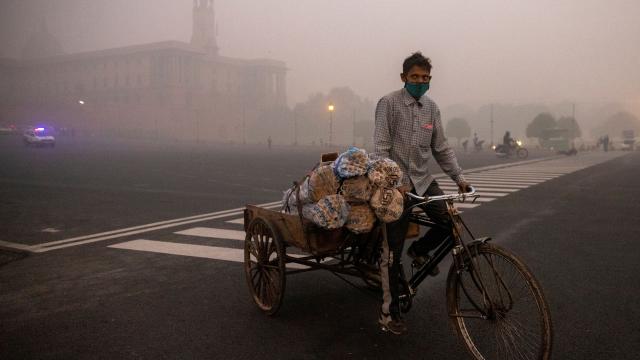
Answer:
(628, 140)
(7, 130)
(556, 139)
(38, 137)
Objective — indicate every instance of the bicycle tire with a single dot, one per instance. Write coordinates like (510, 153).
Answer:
(502, 334)
(522, 153)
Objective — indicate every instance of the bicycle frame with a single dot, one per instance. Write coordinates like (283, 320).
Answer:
(439, 254)
(453, 243)
(459, 248)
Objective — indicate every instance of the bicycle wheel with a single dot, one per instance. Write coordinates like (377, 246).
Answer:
(522, 153)
(512, 319)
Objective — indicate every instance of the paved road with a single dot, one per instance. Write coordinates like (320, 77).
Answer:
(176, 289)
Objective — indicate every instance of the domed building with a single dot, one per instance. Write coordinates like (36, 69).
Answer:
(170, 89)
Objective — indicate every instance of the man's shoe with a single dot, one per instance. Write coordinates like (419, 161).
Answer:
(420, 259)
(392, 324)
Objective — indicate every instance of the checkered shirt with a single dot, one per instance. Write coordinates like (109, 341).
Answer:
(409, 132)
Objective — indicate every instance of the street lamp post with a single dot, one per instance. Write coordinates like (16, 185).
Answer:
(295, 128)
(331, 108)
(83, 121)
(491, 125)
(244, 125)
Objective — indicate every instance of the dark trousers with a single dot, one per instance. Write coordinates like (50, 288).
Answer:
(396, 232)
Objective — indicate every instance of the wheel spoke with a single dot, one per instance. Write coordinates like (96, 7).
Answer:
(516, 327)
(264, 265)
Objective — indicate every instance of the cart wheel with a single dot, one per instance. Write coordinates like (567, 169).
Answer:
(264, 265)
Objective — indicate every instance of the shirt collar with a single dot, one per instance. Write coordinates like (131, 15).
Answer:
(407, 98)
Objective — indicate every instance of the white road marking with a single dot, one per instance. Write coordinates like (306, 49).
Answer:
(164, 247)
(478, 188)
(199, 251)
(521, 172)
(496, 194)
(13, 245)
(50, 230)
(483, 199)
(139, 229)
(498, 181)
(213, 233)
(508, 177)
(236, 221)
(466, 205)
(479, 184)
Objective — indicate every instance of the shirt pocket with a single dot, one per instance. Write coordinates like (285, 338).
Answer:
(425, 132)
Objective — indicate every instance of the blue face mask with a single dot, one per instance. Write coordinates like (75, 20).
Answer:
(416, 89)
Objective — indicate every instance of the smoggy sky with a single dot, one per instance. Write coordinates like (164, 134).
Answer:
(482, 51)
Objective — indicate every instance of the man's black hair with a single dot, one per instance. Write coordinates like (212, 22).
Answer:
(416, 59)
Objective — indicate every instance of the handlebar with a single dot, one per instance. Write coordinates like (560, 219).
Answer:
(428, 199)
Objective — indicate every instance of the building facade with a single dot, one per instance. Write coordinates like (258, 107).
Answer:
(169, 89)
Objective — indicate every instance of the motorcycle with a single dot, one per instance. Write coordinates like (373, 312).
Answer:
(478, 145)
(516, 149)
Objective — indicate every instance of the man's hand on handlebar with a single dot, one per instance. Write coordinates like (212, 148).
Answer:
(404, 189)
(464, 187)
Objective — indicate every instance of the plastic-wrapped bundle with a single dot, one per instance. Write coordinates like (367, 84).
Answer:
(387, 204)
(305, 195)
(321, 182)
(384, 173)
(330, 212)
(353, 162)
(289, 200)
(361, 219)
(356, 189)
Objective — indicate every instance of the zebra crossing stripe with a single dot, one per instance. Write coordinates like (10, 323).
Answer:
(199, 251)
(500, 181)
(213, 233)
(521, 172)
(517, 185)
(508, 177)
(478, 188)
(466, 205)
(236, 221)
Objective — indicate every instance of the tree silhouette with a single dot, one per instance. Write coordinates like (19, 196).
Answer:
(569, 123)
(616, 123)
(541, 122)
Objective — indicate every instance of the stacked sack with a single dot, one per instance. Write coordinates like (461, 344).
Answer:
(386, 200)
(351, 167)
(318, 198)
(352, 192)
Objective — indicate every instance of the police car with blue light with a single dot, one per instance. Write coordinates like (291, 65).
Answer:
(38, 137)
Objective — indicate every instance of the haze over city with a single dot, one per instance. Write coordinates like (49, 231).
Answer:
(556, 54)
(295, 179)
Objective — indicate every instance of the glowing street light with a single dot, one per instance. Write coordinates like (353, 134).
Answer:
(81, 102)
(331, 108)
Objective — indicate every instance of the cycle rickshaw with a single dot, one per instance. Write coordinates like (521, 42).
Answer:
(494, 302)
